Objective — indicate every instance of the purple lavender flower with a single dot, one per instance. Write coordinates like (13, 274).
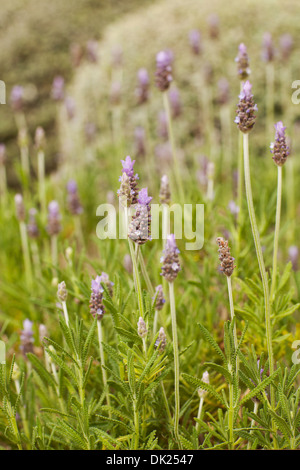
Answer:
(127, 263)
(130, 192)
(104, 279)
(175, 102)
(32, 227)
(43, 333)
(70, 107)
(161, 341)
(268, 51)
(96, 299)
(242, 60)
(58, 88)
(142, 328)
(92, 51)
(26, 337)
(164, 193)
(286, 45)
(170, 260)
(73, 200)
(214, 26)
(139, 229)
(20, 208)
(54, 218)
(294, 256)
(195, 41)
(246, 108)
(279, 148)
(62, 292)
(16, 98)
(160, 298)
(163, 72)
(234, 208)
(142, 90)
(2, 154)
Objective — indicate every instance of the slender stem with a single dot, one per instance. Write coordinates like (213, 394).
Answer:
(232, 318)
(102, 359)
(66, 315)
(256, 404)
(54, 251)
(270, 96)
(136, 276)
(199, 413)
(41, 181)
(155, 321)
(26, 254)
(36, 259)
(22, 410)
(166, 402)
(276, 235)
(145, 274)
(176, 361)
(136, 425)
(173, 147)
(260, 259)
(240, 189)
(3, 185)
(231, 417)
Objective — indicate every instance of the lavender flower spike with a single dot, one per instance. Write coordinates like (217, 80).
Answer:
(142, 90)
(104, 279)
(242, 60)
(195, 41)
(20, 208)
(131, 183)
(54, 217)
(246, 108)
(164, 193)
(2, 154)
(58, 88)
(163, 72)
(170, 260)
(96, 299)
(142, 328)
(139, 229)
(32, 227)
(226, 260)
(160, 298)
(279, 148)
(268, 51)
(73, 200)
(161, 341)
(26, 337)
(16, 98)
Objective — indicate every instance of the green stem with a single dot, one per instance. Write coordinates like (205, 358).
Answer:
(145, 274)
(231, 417)
(136, 276)
(256, 404)
(260, 258)
(66, 315)
(136, 425)
(102, 359)
(176, 361)
(232, 318)
(276, 235)
(54, 252)
(240, 190)
(173, 147)
(36, 259)
(41, 182)
(26, 254)
(270, 96)
(199, 413)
